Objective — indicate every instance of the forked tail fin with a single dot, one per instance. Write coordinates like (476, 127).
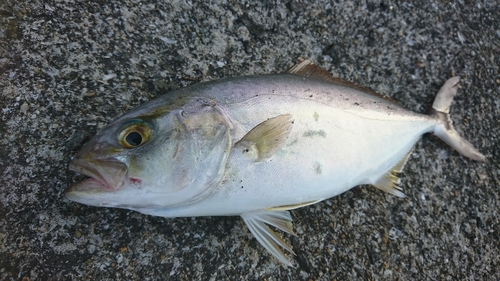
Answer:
(444, 130)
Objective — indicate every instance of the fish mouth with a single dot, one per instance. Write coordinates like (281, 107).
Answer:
(106, 175)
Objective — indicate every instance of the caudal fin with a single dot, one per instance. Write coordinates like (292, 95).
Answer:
(445, 130)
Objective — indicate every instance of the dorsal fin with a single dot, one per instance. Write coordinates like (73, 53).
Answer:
(307, 68)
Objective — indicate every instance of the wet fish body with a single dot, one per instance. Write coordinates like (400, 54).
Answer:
(328, 151)
(256, 146)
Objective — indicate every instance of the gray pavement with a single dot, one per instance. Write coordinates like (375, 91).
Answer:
(69, 67)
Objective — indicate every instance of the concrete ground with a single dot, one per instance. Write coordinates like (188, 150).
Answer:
(69, 67)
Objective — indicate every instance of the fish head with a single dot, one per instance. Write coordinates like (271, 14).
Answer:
(143, 162)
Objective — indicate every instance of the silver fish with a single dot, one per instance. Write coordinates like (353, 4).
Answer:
(257, 147)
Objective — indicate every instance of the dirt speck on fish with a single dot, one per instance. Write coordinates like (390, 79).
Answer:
(257, 147)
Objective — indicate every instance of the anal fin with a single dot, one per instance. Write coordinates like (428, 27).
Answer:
(294, 206)
(389, 182)
(256, 222)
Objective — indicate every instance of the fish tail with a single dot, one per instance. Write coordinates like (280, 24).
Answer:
(444, 130)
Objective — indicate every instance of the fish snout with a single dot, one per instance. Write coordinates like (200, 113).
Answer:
(105, 174)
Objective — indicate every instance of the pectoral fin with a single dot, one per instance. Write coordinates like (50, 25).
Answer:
(256, 222)
(267, 137)
(389, 182)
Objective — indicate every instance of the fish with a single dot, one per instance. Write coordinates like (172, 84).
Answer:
(257, 147)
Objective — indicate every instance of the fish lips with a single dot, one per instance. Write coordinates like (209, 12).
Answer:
(106, 175)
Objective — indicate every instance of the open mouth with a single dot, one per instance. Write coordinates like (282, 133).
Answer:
(106, 175)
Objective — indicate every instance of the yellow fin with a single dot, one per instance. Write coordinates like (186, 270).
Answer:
(294, 206)
(267, 137)
(401, 164)
(389, 182)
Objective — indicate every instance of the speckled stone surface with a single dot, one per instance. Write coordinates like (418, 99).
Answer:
(69, 67)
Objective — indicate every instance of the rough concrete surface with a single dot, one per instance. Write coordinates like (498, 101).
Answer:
(69, 67)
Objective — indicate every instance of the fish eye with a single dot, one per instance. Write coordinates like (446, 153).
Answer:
(135, 133)
(133, 139)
